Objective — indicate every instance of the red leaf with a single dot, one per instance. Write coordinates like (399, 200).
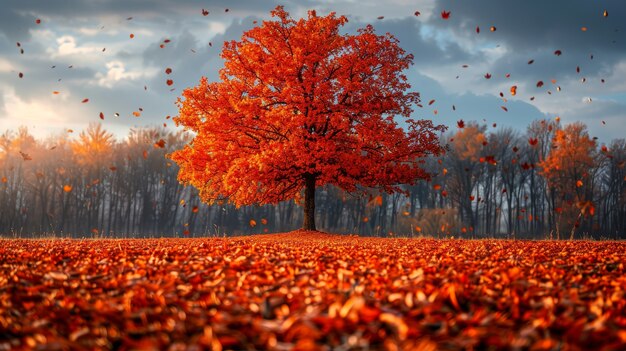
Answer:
(445, 14)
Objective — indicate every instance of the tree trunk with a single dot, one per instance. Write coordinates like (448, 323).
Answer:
(309, 203)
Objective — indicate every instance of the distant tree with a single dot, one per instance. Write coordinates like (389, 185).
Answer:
(567, 169)
(298, 106)
(463, 163)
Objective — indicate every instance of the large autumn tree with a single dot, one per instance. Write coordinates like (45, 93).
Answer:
(301, 105)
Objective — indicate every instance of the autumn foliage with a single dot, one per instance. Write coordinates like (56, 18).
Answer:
(568, 170)
(300, 105)
(312, 291)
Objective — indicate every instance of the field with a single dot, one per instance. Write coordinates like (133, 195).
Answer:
(310, 291)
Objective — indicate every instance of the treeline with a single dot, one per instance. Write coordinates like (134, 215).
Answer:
(551, 181)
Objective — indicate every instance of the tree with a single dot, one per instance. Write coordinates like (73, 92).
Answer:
(567, 170)
(300, 105)
(467, 146)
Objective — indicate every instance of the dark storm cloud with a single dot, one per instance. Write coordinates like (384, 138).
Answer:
(407, 30)
(187, 65)
(534, 29)
(18, 17)
(526, 25)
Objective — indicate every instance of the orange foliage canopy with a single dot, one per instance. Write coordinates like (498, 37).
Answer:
(570, 159)
(298, 100)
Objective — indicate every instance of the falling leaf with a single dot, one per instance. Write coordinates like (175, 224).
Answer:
(584, 29)
(513, 90)
(85, 100)
(504, 108)
(160, 144)
(132, 35)
(380, 17)
(539, 84)
(445, 14)
(417, 13)
(25, 156)
(477, 30)
(431, 102)
(579, 183)
(101, 115)
(67, 188)
(205, 12)
(493, 28)
(169, 82)
(460, 123)
(21, 75)
(168, 70)
(487, 76)
(531, 62)
(606, 13)
(252, 223)
(38, 21)
(136, 113)
(533, 141)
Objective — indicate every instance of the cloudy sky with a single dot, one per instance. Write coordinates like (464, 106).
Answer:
(82, 49)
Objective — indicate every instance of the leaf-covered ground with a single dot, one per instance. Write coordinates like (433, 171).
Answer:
(309, 291)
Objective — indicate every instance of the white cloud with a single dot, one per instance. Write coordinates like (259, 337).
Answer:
(115, 73)
(90, 32)
(5, 65)
(67, 47)
(40, 116)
